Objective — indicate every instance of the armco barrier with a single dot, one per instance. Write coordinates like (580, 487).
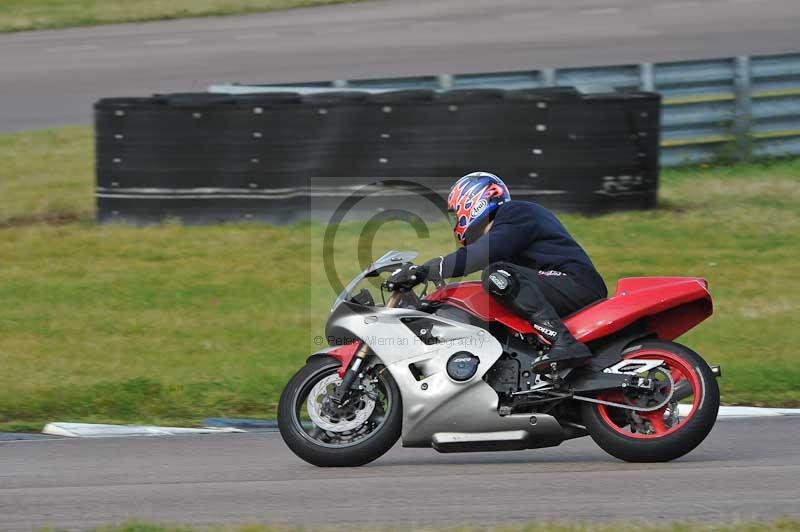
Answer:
(731, 107)
(214, 157)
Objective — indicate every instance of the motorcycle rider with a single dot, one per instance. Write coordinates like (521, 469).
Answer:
(530, 262)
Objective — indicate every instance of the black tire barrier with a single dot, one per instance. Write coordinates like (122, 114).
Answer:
(206, 158)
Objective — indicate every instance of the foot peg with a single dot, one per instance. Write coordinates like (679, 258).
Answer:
(545, 366)
(555, 378)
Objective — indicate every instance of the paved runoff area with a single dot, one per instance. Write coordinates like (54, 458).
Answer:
(747, 468)
(50, 78)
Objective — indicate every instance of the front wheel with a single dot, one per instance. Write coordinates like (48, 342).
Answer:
(327, 435)
(670, 431)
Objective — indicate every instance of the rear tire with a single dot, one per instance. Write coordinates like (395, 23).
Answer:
(676, 441)
(361, 452)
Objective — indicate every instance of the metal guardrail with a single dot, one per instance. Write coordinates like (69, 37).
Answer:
(732, 108)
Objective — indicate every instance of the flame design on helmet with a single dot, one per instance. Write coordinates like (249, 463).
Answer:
(473, 198)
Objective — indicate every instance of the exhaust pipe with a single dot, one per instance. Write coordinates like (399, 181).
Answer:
(683, 389)
(460, 442)
(525, 431)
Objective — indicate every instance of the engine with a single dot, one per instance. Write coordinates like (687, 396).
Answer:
(512, 373)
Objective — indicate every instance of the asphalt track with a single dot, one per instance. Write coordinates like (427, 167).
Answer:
(746, 469)
(53, 77)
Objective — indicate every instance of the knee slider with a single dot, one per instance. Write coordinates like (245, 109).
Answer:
(499, 281)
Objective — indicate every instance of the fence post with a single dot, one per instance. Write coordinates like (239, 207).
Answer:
(743, 116)
(445, 81)
(549, 77)
(647, 78)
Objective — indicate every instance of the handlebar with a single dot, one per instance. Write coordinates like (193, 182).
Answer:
(406, 280)
(401, 289)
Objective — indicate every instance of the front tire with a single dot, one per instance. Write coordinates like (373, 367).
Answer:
(661, 435)
(335, 447)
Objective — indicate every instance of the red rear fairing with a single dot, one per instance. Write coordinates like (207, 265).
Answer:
(670, 306)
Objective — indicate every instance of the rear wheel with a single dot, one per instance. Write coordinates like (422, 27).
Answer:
(327, 435)
(669, 431)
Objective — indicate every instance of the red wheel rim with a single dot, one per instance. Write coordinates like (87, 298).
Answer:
(681, 370)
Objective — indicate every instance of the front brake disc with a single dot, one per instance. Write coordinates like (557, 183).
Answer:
(356, 414)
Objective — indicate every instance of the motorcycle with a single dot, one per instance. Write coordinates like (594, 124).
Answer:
(452, 370)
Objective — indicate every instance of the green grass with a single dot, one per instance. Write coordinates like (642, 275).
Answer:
(19, 15)
(60, 161)
(779, 525)
(168, 324)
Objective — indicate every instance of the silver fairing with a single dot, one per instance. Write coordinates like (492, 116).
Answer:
(436, 403)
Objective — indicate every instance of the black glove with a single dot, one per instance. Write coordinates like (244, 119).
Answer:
(434, 269)
(406, 277)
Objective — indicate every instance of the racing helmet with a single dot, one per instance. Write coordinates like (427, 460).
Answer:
(472, 203)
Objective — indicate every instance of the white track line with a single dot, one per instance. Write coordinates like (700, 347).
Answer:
(91, 430)
(746, 411)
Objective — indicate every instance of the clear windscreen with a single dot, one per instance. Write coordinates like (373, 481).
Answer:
(388, 260)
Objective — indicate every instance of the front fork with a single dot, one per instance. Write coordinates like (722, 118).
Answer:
(341, 394)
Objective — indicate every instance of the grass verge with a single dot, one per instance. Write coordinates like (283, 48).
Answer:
(20, 15)
(168, 324)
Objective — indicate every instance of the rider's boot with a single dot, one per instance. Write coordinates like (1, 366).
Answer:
(565, 351)
(526, 299)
